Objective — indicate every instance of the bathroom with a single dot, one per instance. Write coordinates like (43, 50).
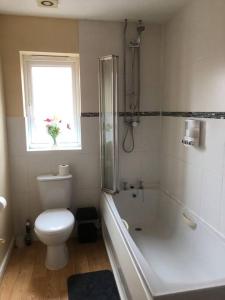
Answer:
(156, 178)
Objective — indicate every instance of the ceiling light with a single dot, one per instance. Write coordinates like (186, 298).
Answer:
(47, 3)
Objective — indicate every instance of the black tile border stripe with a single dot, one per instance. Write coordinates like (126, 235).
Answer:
(141, 114)
(89, 114)
(207, 115)
(121, 114)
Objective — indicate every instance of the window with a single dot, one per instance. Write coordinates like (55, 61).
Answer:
(51, 90)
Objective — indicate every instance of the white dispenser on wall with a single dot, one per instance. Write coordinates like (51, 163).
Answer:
(3, 203)
(192, 133)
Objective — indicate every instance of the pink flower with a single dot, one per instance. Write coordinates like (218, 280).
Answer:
(47, 120)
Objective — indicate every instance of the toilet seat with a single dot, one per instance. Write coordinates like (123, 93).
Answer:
(54, 221)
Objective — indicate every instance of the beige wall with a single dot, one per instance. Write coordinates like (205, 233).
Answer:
(194, 47)
(5, 215)
(30, 34)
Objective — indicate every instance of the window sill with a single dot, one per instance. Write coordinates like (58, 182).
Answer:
(54, 148)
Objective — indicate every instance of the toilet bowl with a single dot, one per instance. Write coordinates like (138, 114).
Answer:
(53, 227)
(55, 224)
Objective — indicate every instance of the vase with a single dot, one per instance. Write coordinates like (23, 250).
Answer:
(54, 142)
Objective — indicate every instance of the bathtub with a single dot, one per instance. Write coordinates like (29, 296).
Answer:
(158, 250)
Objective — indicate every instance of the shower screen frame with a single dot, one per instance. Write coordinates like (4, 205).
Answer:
(113, 60)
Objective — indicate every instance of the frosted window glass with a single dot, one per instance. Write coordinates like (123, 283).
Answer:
(52, 97)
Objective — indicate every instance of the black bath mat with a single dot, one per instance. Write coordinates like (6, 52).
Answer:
(99, 285)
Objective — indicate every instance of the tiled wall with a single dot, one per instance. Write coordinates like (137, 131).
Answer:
(143, 163)
(194, 72)
(25, 166)
(95, 39)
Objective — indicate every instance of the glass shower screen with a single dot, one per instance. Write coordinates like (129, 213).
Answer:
(108, 86)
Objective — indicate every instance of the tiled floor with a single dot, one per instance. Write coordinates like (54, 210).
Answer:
(27, 278)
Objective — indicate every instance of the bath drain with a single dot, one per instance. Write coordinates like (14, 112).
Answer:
(138, 228)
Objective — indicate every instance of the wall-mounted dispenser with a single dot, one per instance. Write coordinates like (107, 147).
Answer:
(192, 133)
(3, 203)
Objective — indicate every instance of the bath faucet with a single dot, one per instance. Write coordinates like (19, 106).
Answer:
(140, 185)
(124, 185)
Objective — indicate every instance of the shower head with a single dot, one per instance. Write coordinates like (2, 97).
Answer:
(136, 42)
(140, 27)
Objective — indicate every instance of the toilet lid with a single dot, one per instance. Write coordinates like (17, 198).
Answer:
(53, 220)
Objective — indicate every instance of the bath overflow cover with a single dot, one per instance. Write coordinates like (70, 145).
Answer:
(138, 229)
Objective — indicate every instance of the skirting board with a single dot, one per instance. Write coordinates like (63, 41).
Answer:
(6, 258)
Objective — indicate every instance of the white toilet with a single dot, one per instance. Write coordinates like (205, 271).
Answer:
(55, 224)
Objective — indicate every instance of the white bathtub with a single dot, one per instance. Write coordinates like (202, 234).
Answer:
(162, 255)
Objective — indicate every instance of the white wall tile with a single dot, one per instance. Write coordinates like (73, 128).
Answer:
(149, 164)
(193, 76)
(38, 164)
(34, 206)
(171, 135)
(150, 134)
(20, 211)
(16, 136)
(170, 179)
(213, 153)
(190, 188)
(86, 197)
(143, 162)
(222, 214)
(211, 198)
(87, 171)
(90, 135)
(19, 174)
(130, 167)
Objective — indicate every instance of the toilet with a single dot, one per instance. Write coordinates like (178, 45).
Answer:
(55, 224)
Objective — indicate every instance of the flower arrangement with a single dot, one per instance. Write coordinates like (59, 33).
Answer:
(54, 126)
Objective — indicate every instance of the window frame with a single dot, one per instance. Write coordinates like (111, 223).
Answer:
(29, 59)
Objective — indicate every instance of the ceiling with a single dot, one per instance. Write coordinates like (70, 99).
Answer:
(149, 10)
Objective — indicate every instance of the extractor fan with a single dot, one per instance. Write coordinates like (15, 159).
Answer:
(48, 3)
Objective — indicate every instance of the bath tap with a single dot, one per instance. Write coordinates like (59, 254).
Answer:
(141, 190)
(124, 185)
(140, 185)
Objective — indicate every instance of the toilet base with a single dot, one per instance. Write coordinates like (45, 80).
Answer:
(57, 257)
